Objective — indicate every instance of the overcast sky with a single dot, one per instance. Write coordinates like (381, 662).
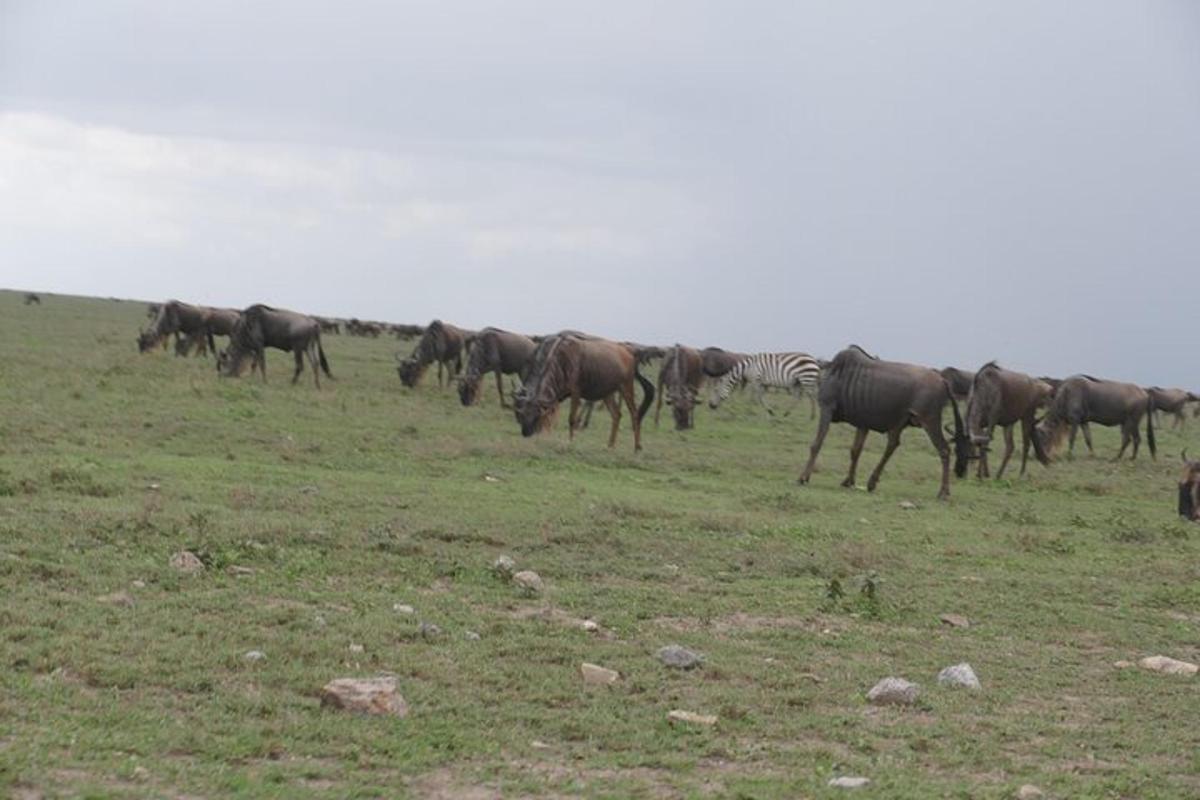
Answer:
(941, 182)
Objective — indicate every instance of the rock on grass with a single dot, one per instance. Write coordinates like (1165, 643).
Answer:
(849, 782)
(186, 561)
(690, 718)
(893, 691)
(378, 696)
(1168, 666)
(598, 676)
(679, 657)
(959, 675)
(529, 582)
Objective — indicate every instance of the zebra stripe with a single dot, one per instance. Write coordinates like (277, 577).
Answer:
(798, 372)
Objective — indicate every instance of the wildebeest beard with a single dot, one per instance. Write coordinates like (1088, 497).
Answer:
(536, 403)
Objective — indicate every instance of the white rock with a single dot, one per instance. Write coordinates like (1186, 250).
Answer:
(589, 626)
(690, 718)
(254, 655)
(401, 608)
(187, 561)
(959, 675)
(679, 657)
(529, 582)
(471, 636)
(1168, 666)
(597, 675)
(357, 648)
(1123, 664)
(849, 782)
(908, 505)
(1029, 792)
(504, 567)
(138, 584)
(429, 630)
(893, 691)
(955, 620)
(364, 696)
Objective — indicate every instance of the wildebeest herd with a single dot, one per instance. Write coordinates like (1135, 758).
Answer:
(854, 387)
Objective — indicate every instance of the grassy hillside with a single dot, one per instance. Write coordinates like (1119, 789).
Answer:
(343, 503)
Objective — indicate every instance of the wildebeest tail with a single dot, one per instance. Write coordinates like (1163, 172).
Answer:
(1039, 451)
(321, 357)
(962, 448)
(648, 389)
(1150, 429)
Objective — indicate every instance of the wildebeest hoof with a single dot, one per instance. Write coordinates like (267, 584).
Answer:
(847, 484)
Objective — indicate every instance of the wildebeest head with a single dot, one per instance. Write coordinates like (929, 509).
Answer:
(468, 389)
(1189, 488)
(410, 371)
(146, 341)
(535, 404)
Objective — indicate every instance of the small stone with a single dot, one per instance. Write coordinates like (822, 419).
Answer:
(589, 626)
(154, 487)
(121, 599)
(908, 505)
(1123, 664)
(490, 478)
(240, 571)
(429, 630)
(679, 657)
(537, 744)
(187, 561)
(1168, 666)
(671, 569)
(1029, 792)
(529, 582)
(504, 567)
(138, 584)
(471, 636)
(955, 620)
(364, 696)
(357, 648)
(689, 718)
(597, 675)
(849, 782)
(401, 608)
(959, 675)
(894, 692)
(254, 655)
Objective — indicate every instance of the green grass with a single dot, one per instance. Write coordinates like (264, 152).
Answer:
(347, 501)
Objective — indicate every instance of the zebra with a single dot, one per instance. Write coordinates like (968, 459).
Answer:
(798, 373)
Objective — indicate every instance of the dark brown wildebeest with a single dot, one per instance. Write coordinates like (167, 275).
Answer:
(1189, 489)
(261, 327)
(193, 341)
(1003, 397)
(408, 331)
(32, 299)
(715, 362)
(1171, 401)
(442, 343)
(1082, 399)
(329, 325)
(581, 369)
(1053, 383)
(959, 381)
(498, 351)
(679, 382)
(175, 318)
(886, 396)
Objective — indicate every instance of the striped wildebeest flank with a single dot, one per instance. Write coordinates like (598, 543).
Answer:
(1003, 397)
(886, 396)
(499, 351)
(260, 327)
(679, 382)
(442, 343)
(174, 317)
(797, 373)
(581, 368)
(32, 299)
(1172, 402)
(1189, 489)
(1082, 399)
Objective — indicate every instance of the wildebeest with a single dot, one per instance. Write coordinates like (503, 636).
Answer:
(886, 396)
(959, 381)
(357, 327)
(442, 343)
(1003, 397)
(1189, 489)
(260, 327)
(716, 362)
(1082, 399)
(194, 341)
(407, 331)
(329, 325)
(499, 351)
(1171, 401)
(679, 381)
(578, 368)
(175, 318)
(32, 299)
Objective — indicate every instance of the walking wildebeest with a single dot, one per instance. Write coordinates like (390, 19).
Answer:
(1189, 489)
(1082, 399)
(679, 382)
(1171, 401)
(261, 327)
(31, 299)
(441, 342)
(578, 368)
(175, 318)
(498, 351)
(1003, 397)
(886, 396)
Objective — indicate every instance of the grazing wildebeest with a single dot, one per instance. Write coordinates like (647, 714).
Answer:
(329, 325)
(579, 368)
(716, 362)
(31, 299)
(261, 327)
(679, 382)
(886, 396)
(797, 373)
(175, 318)
(408, 331)
(1003, 397)
(442, 343)
(1082, 399)
(498, 351)
(959, 381)
(1189, 489)
(193, 341)
(1171, 401)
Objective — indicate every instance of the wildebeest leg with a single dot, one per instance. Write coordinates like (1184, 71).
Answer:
(1124, 441)
(658, 400)
(439, 363)
(981, 471)
(573, 416)
(299, 354)
(1179, 421)
(261, 356)
(614, 409)
(631, 404)
(500, 390)
(312, 362)
(860, 436)
(1137, 437)
(1087, 438)
(815, 449)
(892, 443)
(1008, 450)
(1027, 434)
(1071, 441)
